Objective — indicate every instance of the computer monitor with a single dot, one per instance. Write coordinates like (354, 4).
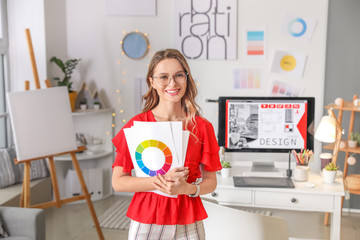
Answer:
(266, 124)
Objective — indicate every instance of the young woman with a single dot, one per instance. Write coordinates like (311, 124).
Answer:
(171, 97)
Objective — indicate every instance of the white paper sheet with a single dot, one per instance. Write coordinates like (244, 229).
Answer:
(156, 147)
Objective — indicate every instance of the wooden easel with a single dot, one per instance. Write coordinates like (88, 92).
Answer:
(25, 195)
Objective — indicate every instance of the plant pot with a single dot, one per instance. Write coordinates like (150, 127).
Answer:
(352, 143)
(96, 106)
(301, 173)
(72, 97)
(329, 176)
(83, 106)
(225, 172)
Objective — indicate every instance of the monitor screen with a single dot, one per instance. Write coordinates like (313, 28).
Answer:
(266, 124)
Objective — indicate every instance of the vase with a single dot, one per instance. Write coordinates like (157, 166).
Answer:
(72, 97)
(301, 173)
(225, 172)
(329, 176)
(352, 143)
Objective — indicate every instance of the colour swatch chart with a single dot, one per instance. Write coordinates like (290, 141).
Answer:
(279, 88)
(247, 78)
(255, 40)
(156, 147)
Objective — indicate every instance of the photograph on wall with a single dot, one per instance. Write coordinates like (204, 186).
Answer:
(264, 124)
(131, 8)
(206, 29)
(255, 43)
(298, 27)
(247, 78)
(288, 63)
(283, 89)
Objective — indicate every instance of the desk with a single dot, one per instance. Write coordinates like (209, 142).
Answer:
(321, 198)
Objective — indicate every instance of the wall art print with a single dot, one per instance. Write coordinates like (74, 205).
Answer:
(206, 29)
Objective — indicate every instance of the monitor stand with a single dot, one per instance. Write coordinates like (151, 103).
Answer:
(263, 167)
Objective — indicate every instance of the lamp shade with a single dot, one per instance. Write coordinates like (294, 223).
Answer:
(326, 131)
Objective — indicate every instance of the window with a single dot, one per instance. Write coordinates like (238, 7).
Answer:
(4, 118)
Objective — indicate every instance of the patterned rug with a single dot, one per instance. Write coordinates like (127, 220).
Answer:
(115, 216)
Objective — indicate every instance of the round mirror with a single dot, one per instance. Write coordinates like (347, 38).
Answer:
(135, 45)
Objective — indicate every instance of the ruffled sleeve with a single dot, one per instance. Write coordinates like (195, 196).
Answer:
(123, 158)
(210, 152)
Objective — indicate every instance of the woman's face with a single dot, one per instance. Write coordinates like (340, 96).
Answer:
(171, 90)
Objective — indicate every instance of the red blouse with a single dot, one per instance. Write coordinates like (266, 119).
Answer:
(152, 208)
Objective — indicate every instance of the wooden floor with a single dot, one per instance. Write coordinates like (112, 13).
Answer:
(73, 222)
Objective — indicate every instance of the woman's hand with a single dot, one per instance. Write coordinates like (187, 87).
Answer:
(173, 182)
(177, 174)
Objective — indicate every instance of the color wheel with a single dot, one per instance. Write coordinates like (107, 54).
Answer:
(156, 144)
(299, 33)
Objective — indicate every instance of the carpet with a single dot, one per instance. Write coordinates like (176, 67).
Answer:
(115, 216)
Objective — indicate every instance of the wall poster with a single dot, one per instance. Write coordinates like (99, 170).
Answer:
(206, 29)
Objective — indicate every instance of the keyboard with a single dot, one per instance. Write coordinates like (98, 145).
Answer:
(263, 174)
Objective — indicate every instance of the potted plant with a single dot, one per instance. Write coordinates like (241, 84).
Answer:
(83, 104)
(96, 105)
(226, 168)
(67, 68)
(329, 172)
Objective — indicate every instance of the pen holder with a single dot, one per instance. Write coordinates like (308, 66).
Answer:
(301, 173)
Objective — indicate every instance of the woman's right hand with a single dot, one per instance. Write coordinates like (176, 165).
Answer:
(173, 182)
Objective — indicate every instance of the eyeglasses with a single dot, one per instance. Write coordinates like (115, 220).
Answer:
(164, 78)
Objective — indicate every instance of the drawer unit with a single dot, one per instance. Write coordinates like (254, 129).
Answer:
(300, 201)
(231, 196)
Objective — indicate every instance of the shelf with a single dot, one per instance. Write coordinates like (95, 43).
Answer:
(86, 155)
(79, 112)
(345, 149)
(348, 106)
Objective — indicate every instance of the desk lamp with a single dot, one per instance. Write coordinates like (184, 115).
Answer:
(330, 131)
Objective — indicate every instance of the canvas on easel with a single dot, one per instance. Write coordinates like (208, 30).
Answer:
(42, 122)
(43, 128)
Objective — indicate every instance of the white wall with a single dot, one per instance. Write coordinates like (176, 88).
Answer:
(24, 14)
(95, 38)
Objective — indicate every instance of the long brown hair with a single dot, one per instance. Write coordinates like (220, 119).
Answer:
(188, 103)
